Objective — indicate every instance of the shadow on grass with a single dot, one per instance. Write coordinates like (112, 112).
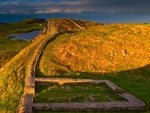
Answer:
(135, 81)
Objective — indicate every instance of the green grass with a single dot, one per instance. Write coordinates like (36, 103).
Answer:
(9, 48)
(7, 44)
(22, 26)
(12, 77)
(70, 93)
(135, 81)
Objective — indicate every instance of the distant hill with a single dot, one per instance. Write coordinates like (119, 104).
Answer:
(96, 47)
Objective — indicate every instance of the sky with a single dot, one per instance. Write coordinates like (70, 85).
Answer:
(111, 10)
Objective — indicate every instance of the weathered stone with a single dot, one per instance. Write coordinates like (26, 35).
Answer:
(131, 103)
(25, 105)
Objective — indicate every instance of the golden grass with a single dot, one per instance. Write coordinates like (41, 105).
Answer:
(93, 48)
(101, 48)
(12, 77)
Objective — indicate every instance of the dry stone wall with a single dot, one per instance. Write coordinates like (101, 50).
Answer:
(130, 103)
(26, 100)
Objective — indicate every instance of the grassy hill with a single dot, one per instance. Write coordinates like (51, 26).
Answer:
(102, 49)
(118, 52)
(12, 76)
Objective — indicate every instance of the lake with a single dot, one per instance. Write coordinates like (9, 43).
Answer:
(26, 36)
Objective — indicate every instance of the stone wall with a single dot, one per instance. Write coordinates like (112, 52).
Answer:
(26, 101)
(130, 102)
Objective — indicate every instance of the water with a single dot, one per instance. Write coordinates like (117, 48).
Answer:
(26, 36)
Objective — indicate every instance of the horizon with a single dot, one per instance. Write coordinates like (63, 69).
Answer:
(104, 11)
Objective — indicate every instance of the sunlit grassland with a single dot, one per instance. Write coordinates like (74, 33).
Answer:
(13, 60)
(54, 63)
(12, 77)
(105, 48)
(65, 56)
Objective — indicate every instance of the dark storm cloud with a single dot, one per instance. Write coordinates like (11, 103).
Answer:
(74, 6)
(118, 6)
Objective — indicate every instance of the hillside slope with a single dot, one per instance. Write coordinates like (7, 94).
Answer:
(87, 47)
(12, 74)
(12, 77)
(101, 48)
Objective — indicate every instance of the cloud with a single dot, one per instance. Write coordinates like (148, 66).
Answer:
(71, 3)
(62, 10)
(74, 6)
(41, 7)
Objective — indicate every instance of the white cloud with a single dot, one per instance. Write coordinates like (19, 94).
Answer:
(54, 10)
(62, 10)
